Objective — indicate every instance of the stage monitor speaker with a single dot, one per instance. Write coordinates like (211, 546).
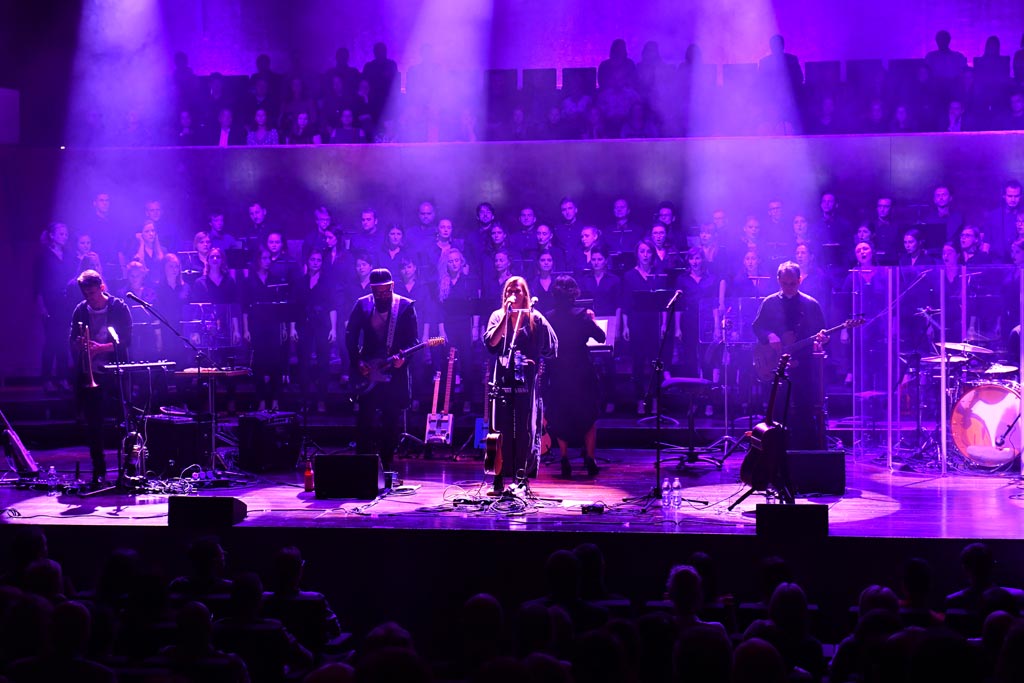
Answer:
(268, 441)
(817, 472)
(348, 476)
(781, 522)
(204, 512)
(182, 440)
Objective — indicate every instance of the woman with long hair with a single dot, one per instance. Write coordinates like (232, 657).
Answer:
(260, 132)
(573, 391)
(217, 287)
(519, 338)
(148, 251)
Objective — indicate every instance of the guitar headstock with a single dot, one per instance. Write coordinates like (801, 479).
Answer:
(436, 341)
(853, 322)
(780, 372)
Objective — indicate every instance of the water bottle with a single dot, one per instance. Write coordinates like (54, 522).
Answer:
(666, 493)
(677, 493)
(52, 483)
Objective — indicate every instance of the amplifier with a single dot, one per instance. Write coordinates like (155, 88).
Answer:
(268, 441)
(182, 440)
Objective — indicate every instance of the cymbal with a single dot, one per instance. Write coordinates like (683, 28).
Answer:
(1000, 369)
(964, 348)
(939, 359)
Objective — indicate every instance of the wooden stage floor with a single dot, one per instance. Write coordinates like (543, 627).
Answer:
(878, 503)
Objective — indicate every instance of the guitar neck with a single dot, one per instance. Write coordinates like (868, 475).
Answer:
(437, 387)
(448, 383)
(796, 346)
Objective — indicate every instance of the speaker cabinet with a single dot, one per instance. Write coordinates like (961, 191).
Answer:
(179, 439)
(791, 522)
(268, 441)
(204, 512)
(348, 476)
(817, 472)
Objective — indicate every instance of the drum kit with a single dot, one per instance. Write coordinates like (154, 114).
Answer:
(984, 400)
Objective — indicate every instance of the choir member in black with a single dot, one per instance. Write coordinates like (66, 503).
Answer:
(750, 281)
(381, 324)
(411, 287)
(955, 286)
(500, 241)
(195, 265)
(543, 281)
(602, 287)
(573, 392)
(52, 272)
(217, 287)
(791, 314)
(145, 248)
(393, 249)
(99, 312)
(316, 239)
(337, 262)
(263, 319)
(435, 259)
(623, 233)
(715, 256)
(458, 315)
(863, 294)
(546, 243)
(315, 327)
(666, 255)
(641, 327)
(282, 265)
(498, 272)
(917, 288)
(138, 283)
(814, 280)
(700, 306)
(519, 338)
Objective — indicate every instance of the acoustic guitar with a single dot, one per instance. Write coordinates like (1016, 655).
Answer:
(766, 358)
(767, 441)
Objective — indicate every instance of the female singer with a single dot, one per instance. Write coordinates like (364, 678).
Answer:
(519, 338)
(573, 390)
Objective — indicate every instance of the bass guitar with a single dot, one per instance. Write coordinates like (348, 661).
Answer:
(439, 424)
(380, 368)
(766, 358)
(761, 464)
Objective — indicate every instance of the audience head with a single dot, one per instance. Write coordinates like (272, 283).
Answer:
(757, 661)
(702, 655)
(562, 574)
(72, 626)
(207, 557)
(877, 597)
(978, 564)
(942, 39)
(684, 589)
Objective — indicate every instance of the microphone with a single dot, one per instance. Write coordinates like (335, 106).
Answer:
(533, 301)
(113, 335)
(509, 302)
(134, 297)
(674, 299)
(1000, 441)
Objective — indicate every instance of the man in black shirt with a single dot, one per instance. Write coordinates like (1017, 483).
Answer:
(786, 317)
(381, 324)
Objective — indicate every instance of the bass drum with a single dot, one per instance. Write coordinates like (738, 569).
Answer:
(983, 415)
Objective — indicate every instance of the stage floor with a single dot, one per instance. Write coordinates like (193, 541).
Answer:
(878, 503)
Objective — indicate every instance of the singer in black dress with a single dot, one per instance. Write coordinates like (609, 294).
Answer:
(573, 390)
(520, 338)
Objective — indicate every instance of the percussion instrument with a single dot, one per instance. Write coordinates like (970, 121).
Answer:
(985, 422)
(964, 348)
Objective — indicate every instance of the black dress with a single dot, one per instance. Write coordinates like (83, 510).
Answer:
(573, 392)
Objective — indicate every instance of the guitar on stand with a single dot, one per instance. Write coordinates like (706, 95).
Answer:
(763, 467)
(439, 424)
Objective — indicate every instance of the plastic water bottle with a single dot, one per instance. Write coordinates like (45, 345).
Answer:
(52, 483)
(666, 493)
(677, 493)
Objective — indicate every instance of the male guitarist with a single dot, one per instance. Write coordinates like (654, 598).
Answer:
(381, 324)
(786, 317)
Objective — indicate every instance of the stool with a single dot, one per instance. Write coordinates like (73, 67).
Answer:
(691, 389)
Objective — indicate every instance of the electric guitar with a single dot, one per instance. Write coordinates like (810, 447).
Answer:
(761, 464)
(766, 358)
(439, 425)
(380, 368)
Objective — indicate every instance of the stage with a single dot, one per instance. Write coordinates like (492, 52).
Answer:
(447, 494)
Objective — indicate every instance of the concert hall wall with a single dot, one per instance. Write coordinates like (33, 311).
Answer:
(699, 175)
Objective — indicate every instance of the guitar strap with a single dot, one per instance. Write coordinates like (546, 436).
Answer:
(392, 323)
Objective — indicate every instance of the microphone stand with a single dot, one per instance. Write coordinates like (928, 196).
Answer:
(211, 383)
(119, 484)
